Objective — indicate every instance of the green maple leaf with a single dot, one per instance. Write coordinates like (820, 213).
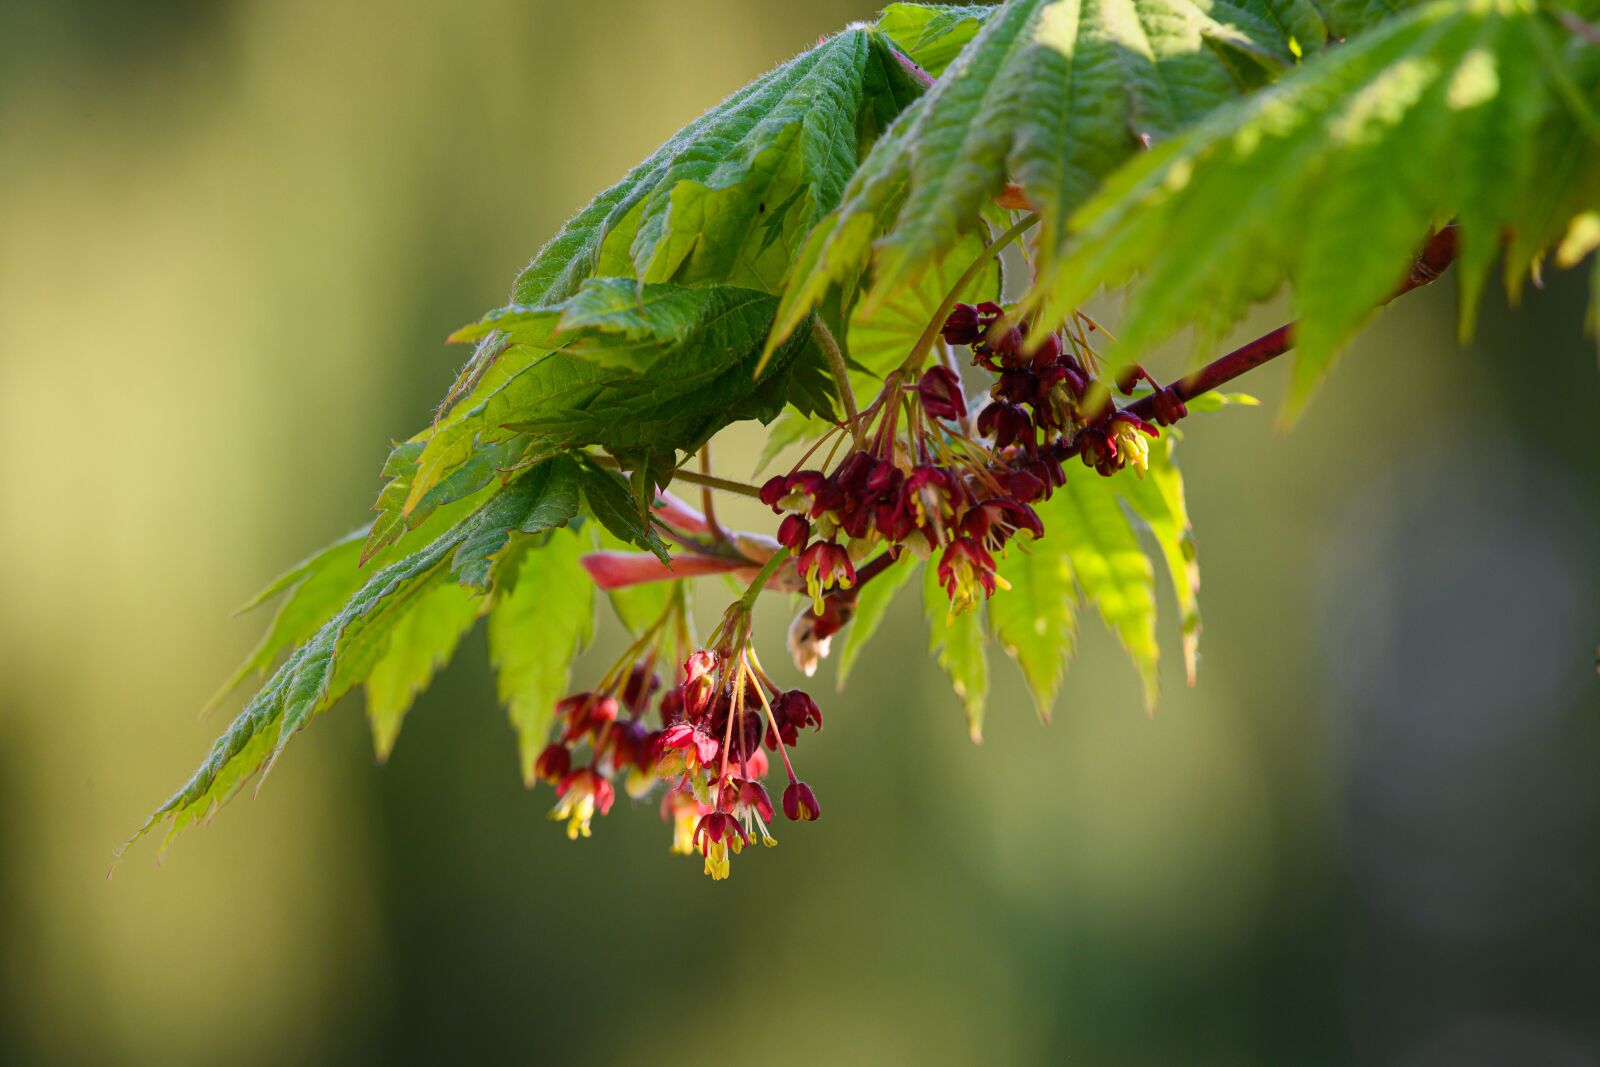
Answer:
(419, 645)
(1036, 619)
(1332, 180)
(957, 644)
(872, 603)
(1091, 552)
(1051, 94)
(641, 371)
(543, 616)
(347, 648)
(931, 35)
(703, 209)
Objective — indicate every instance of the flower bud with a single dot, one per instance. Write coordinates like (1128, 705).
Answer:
(852, 473)
(793, 711)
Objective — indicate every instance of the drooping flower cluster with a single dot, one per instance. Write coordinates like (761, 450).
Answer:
(920, 475)
(705, 739)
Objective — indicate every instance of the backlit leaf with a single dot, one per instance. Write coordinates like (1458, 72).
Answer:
(957, 643)
(1333, 179)
(542, 618)
(872, 603)
(344, 651)
(1036, 619)
(420, 644)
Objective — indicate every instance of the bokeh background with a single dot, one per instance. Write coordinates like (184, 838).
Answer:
(231, 235)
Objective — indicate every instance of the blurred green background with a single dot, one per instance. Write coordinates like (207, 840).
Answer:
(231, 235)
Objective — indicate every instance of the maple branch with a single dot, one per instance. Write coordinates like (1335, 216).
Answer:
(1575, 25)
(707, 505)
(1436, 257)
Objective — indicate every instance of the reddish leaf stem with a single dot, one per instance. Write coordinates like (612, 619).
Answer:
(1436, 257)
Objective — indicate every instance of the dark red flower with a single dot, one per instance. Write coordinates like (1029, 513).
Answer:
(1049, 352)
(895, 520)
(641, 685)
(800, 803)
(793, 532)
(793, 711)
(964, 326)
(965, 570)
(823, 566)
(1007, 423)
(716, 834)
(631, 746)
(586, 713)
(929, 493)
(773, 490)
(580, 795)
(553, 763)
(884, 480)
(993, 522)
(793, 492)
(1005, 346)
(1020, 386)
(851, 474)
(1024, 486)
(940, 392)
(754, 796)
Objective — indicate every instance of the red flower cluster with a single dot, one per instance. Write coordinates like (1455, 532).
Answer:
(926, 495)
(920, 475)
(1044, 401)
(703, 738)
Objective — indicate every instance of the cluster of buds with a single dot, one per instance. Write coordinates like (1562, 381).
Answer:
(705, 739)
(1047, 403)
(937, 491)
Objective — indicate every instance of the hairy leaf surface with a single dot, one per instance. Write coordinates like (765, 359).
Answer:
(644, 372)
(932, 35)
